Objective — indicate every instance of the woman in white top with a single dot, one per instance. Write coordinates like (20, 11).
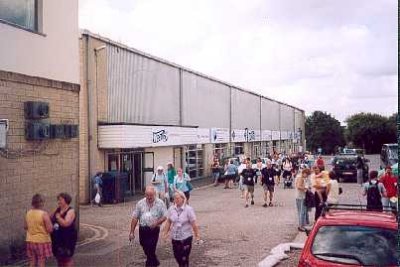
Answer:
(333, 189)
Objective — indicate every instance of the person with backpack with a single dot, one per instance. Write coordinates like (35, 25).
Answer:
(374, 192)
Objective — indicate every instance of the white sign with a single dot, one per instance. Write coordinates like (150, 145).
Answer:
(246, 135)
(275, 135)
(219, 135)
(134, 136)
(266, 135)
(284, 135)
(238, 136)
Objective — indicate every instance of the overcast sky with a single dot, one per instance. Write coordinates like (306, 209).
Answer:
(338, 56)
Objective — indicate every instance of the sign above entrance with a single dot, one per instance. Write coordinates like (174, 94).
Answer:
(219, 135)
(246, 135)
(284, 135)
(132, 136)
(266, 135)
(275, 135)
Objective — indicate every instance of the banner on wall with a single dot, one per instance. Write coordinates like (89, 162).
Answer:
(219, 135)
(266, 135)
(275, 135)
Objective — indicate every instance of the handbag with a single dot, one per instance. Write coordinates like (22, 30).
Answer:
(309, 201)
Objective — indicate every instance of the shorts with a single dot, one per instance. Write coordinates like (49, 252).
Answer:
(268, 187)
(40, 251)
(249, 188)
(230, 177)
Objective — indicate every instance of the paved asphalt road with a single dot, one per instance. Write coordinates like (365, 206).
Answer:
(233, 235)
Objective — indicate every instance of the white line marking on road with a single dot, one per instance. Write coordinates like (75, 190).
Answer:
(278, 254)
(100, 233)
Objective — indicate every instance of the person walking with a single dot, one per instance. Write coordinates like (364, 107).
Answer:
(216, 171)
(150, 212)
(267, 181)
(65, 234)
(332, 189)
(249, 176)
(160, 183)
(38, 228)
(359, 167)
(181, 183)
(171, 173)
(259, 167)
(181, 224)
(98, 189)
(231, 171)
(240, 170)
(374, 191)
(302, 185)
(319, 186)
(389, 181)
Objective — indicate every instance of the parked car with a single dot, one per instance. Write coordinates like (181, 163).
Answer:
(389, 155)
(344, 165)
(347, 236)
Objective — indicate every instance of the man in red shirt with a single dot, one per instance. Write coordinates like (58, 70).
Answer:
(389, 181)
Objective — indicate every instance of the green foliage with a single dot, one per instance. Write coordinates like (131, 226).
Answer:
(370, 131)
(323, 131)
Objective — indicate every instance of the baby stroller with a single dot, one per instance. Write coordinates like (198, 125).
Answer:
(287, 180)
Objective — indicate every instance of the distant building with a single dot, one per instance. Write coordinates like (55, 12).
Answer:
(139, 111)
(39, 62)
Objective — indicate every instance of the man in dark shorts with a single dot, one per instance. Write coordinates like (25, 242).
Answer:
(267, 180)
(249, 176)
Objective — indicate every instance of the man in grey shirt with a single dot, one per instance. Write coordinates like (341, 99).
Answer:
(150, 212)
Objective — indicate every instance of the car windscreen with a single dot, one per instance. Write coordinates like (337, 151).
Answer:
(361, 245)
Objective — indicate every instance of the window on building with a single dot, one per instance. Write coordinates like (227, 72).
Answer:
(220, 151)
(239, 148)
(23, 13)
(195, 161)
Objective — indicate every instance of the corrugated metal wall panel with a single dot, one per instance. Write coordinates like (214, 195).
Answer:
(287, 118)
(205, 102)
(245, 110)
(141, 90)
(269, 114)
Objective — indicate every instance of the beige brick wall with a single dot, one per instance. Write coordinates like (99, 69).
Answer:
(83, 129)
(28, 167)
(93, 108)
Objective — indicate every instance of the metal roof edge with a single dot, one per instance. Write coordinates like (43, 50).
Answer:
(131, 49)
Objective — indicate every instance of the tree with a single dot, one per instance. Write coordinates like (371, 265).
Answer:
(323, 131)
(370, 131)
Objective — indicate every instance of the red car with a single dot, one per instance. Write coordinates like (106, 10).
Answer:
(350, 237)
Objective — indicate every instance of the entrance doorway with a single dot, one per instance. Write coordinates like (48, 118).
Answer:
(131, 163)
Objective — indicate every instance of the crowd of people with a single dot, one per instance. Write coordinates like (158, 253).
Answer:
(166, 202)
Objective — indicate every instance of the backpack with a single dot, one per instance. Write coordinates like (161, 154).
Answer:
(374, 199)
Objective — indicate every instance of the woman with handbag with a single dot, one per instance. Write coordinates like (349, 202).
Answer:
(182, 183)
(302, 187)
(64, 235)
